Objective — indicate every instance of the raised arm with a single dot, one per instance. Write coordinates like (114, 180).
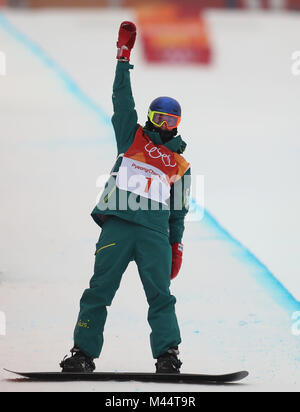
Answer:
(124, 119)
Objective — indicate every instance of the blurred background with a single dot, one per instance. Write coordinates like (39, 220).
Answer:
(234, 65)
(242, 4)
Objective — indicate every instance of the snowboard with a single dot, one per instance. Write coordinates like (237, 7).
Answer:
(134, 376)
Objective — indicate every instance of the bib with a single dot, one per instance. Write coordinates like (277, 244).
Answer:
(150, 170)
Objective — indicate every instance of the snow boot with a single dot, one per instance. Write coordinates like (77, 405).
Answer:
(77, 363)
(169, 362)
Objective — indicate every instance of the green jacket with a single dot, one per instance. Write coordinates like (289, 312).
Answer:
(168, 220)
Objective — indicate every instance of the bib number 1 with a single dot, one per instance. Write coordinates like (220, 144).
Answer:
(143, 180)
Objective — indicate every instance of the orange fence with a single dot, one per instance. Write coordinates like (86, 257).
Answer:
(171, 34)
(204, 4)
(67, 3)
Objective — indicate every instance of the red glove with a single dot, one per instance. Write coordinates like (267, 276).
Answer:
(126, 40)
(177, 253)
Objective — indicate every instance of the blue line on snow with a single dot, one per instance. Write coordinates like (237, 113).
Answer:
(70, 84)
(262, 274)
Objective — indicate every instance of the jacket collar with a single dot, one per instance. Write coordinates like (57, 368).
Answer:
(175, 145)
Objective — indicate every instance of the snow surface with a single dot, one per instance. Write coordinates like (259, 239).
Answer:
(239, 283)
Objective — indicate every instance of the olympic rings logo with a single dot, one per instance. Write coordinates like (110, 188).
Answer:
(155, 153)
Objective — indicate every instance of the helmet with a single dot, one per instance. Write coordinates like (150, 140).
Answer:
(165, 112)
(166, 105)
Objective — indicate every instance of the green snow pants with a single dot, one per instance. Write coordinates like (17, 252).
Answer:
(121, 242)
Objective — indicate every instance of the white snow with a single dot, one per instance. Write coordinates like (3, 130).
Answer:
(241, 121)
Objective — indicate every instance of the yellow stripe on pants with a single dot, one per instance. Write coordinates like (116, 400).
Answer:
(104, 247)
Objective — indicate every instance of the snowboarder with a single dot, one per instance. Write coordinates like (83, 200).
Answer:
(141, 213)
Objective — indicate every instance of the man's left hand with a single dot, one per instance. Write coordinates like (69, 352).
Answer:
(177, 253)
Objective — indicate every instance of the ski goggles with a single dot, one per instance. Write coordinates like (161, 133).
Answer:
(159, 118)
